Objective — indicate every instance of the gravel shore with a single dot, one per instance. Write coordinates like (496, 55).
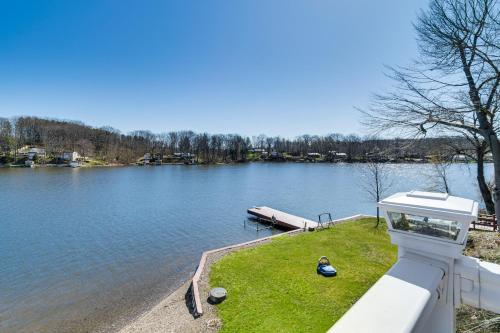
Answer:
(172, 314)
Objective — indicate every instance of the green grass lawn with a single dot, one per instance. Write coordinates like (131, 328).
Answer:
(274, 287)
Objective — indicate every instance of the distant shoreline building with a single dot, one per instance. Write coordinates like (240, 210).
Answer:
(70, 156)
(32, 152)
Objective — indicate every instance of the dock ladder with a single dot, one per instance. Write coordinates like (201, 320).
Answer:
(324, 222)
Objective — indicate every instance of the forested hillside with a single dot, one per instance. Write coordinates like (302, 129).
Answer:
(112, 146)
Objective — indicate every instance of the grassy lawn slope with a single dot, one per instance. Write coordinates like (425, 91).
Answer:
(275, 288)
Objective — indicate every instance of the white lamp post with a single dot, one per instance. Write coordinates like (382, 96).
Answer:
(431, 277)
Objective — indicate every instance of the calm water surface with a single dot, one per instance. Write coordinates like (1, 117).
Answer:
(82, 247)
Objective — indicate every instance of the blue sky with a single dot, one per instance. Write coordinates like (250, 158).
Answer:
(278, 67)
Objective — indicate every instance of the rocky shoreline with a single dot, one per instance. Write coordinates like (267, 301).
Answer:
(174, 313)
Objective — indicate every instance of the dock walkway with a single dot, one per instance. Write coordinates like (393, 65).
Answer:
(282, 219)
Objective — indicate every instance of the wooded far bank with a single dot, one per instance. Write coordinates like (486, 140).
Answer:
(57, 138)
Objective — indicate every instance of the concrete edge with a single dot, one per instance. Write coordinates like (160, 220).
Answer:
(197, 307)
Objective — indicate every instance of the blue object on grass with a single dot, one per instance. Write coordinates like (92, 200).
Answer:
(325, 268)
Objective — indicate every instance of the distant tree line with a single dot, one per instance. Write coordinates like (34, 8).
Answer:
(109, 145)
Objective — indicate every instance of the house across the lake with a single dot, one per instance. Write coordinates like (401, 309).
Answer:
(32, 152)
(334, 155)
(461, 158)
(257, 150)
(147, 158)
(158, 159)
(70, 156)
(183, 155)
(314, 155)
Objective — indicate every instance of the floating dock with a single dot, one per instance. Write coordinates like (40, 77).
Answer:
(282, 219)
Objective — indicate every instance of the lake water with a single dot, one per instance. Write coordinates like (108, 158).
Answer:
(80, 248)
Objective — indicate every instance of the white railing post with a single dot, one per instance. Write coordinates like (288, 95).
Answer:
(431, 277)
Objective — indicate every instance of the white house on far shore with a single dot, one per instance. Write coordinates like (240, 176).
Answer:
(147, 158)
(70, 156)
(32, 152)
(336, 155)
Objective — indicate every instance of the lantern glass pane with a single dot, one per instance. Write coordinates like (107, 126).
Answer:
(424, 225)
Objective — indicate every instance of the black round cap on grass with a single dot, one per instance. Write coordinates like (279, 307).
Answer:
(217, 295)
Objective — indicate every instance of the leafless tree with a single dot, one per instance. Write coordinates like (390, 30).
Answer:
(376, 181)
(454, 84)
(6, 134)
(439, 174)
(259, 141)
(475, 148)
